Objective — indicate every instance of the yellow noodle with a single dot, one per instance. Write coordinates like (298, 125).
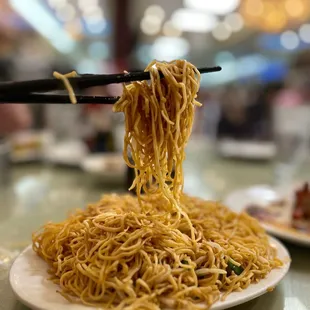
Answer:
(162, 248)
(64, 78)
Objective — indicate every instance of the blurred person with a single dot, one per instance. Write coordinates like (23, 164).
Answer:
(102, 120)
(14, 117)
(293, 92)
(207, 119)
(259, 113)
(246, 114)
(296, 90)
(232, 122)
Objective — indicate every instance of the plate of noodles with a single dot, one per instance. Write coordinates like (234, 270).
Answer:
(283, 212)
(29, 281)
(160, 249)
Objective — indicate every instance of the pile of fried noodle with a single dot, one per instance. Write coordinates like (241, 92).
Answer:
(161, 249)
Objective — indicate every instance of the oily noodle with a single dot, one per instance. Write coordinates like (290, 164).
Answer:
(64, 79)
(158, 119)
(162, 249)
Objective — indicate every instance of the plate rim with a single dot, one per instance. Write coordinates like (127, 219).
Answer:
(219, 305)
(291, 237)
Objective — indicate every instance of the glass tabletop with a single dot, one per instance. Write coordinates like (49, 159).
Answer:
(40, 193)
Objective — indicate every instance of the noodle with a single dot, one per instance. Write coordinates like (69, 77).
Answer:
(157, 130)
(64, 78)
(161, 249)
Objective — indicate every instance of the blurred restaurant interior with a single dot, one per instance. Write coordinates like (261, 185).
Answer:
(253, 128)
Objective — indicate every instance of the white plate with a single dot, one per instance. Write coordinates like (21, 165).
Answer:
(29, 145)
(28, 278)
(246, 149)
(69, 153)
(109, 166)
(262, 195)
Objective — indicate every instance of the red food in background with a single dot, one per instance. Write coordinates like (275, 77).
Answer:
(302, 203)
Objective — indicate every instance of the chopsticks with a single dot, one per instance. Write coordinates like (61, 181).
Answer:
(55, 99)
(23, 91)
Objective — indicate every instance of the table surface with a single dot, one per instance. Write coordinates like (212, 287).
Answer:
(40, 193)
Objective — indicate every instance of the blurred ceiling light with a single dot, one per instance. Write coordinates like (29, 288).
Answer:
(250, 65)
(150, 25)
(83, 4)
(96, 27)
(275, 20)
(193, 21)
(224, 56)
(254, 7)
(295, 8)
(45, 24)
(218, 79)
(98, 50)
(155, 10)
(289, 40)
(167, 48)
(144, 53)
(66, 13)
(94, 17)
(55, 4)
(235, 21)
(74, 28)
(274, 16)
(170, 31)
(241, 68)
(304, 33)
(221, 32)
(219, 7)
(86, 66)
(92, 10)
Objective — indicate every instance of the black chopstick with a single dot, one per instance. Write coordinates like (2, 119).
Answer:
(55, 99)
(80, 82)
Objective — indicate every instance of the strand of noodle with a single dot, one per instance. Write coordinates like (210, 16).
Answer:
(64, 78)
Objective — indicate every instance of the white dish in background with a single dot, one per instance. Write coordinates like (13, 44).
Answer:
(262, 196)
(28, 278)
(110, 166)
(254, 150)
(69, 153)
(29, 145)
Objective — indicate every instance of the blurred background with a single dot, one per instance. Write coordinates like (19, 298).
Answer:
(253, 128)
